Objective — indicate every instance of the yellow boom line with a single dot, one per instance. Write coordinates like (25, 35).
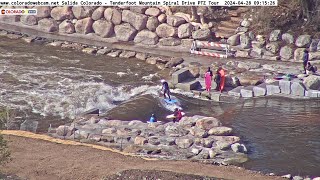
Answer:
(65, 142)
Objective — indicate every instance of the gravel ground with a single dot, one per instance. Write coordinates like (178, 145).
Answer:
(34, 158)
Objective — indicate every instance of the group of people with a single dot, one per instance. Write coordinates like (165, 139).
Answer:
(307, 67)
(177, 116)
(219, 79)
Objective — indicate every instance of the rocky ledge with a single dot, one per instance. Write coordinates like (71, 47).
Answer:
(196, 138)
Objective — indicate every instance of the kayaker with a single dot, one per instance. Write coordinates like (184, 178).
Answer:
(177, 115)
(153, 118)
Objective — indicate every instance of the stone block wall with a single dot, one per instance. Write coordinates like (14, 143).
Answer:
(143, 25)
(277, 45)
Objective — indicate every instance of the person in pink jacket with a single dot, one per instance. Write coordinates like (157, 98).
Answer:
(208, 79)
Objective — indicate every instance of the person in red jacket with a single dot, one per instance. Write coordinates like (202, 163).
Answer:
(177, 115)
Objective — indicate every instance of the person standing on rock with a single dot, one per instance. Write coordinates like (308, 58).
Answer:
(165, 89)
(209, 70)
(208, 79)
(305, 60)
(217, 79)
(222, 74)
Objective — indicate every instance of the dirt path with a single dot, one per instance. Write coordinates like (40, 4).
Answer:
(40, 159)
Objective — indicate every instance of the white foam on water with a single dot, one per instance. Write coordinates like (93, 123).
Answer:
(66, 91)
(149, 77)
(121, 74)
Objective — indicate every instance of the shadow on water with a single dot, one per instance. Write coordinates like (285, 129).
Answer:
(282, 134)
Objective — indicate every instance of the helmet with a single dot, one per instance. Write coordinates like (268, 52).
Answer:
(162, 80)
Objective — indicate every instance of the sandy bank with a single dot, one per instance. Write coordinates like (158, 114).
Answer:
(40, 157)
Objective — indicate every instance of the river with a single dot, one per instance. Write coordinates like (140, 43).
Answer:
(53, 85)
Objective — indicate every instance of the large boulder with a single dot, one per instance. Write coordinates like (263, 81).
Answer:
(286, 52)
(220, 131)
(111, 130)
(207, 123)
(313, 45)
(162, 18)
(138, 9)
(303, 41)
(245, 41)
(237, 147)
(152, 23)
(9, 18)
(298, 89)
(153, 11)
(314, 56)
(298, 54)
(184, 143)
(61, 13)
(98, 13)
(234, 40)
(275, 35)
(146, 37)
(81, 12)
(84, 26)
(141, 56)
(198, 132)
(138, 21)
(185, 30)
(103, 28)
(113, 15)
(174, 62)
(66, 27)
(43, 11)
(170, 41)
(165, 30)
(242, 54)
(273, 47)
(62, 130)
(288, 38)
(125, 32)
(48, 25)
(175, 21)
(312, 82)
(29, 20)
(201, 34)
(140, 140)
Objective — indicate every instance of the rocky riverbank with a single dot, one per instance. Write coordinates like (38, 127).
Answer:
(244, 79)
(196, 138)
(158, 26)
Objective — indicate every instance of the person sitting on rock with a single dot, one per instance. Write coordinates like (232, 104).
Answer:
(153, 118)
(165, 89)
(311, 69)
(177, 115)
